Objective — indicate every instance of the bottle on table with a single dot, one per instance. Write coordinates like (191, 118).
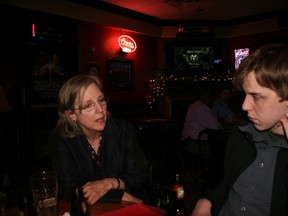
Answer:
(25, 207)
(177, 205)
(78, 204)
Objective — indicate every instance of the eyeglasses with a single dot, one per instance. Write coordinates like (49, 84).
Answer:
(91, 105)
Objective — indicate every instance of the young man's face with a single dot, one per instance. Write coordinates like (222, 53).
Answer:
(263, 105)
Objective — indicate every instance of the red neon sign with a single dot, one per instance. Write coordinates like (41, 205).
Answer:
(127, 44)
(33, 30)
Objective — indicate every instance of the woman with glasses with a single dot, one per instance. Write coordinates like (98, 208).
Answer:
(93, 149)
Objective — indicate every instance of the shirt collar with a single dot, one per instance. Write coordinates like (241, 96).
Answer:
(266, 137)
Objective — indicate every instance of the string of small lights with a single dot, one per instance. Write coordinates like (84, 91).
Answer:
(157, 84)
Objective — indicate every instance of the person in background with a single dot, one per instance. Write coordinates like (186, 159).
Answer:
(93, 149)
(255, 170)
(199, 116)
(40, 67)
(222, 108)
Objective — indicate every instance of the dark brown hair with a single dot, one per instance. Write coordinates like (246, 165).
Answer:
(270, 65)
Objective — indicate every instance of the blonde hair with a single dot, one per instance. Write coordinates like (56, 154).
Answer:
(68, 94)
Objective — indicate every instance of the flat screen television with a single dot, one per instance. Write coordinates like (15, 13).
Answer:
(192, 59)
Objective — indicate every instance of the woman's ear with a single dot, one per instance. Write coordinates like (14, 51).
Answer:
(71, 115)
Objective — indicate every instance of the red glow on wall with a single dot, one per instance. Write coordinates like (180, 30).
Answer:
(127, 44)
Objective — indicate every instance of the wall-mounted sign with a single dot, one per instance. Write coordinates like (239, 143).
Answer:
(127, 44)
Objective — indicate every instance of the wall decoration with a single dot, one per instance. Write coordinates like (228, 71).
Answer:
(47, 75)
(52, 60)
(93, 68)
(120, 74)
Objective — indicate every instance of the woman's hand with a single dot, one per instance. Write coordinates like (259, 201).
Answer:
(94, 190)
(130, 198)
(202, 208)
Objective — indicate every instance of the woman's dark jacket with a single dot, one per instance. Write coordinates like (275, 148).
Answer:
(240, 153)
(121, 154)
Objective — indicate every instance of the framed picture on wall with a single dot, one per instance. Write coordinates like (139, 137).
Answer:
(93, 68)
(120, 74)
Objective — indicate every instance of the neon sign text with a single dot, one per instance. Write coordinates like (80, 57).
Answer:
(127, 44)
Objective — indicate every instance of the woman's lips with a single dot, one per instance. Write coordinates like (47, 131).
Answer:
(101, 120)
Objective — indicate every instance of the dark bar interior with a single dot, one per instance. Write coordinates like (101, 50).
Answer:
(152, 86)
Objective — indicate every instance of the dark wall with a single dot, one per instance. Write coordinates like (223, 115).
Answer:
(19, 49)
(13, 47)
(32, 117)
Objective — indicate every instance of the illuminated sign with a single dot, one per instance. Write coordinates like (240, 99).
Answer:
(127, 44)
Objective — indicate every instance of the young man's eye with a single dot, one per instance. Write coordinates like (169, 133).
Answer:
(256, 97)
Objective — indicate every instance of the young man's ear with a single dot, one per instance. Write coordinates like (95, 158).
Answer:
(70, 114)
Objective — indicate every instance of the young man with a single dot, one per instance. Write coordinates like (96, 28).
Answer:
(255, 180)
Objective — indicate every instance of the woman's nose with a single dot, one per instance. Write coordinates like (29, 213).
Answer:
(98, 107)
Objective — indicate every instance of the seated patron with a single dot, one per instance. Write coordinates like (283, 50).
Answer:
(199, 116)
(223, 109)
(94, 149)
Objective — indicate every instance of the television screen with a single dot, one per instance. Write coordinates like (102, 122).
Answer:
(194, 58)
(239, 55)
(198, 58)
